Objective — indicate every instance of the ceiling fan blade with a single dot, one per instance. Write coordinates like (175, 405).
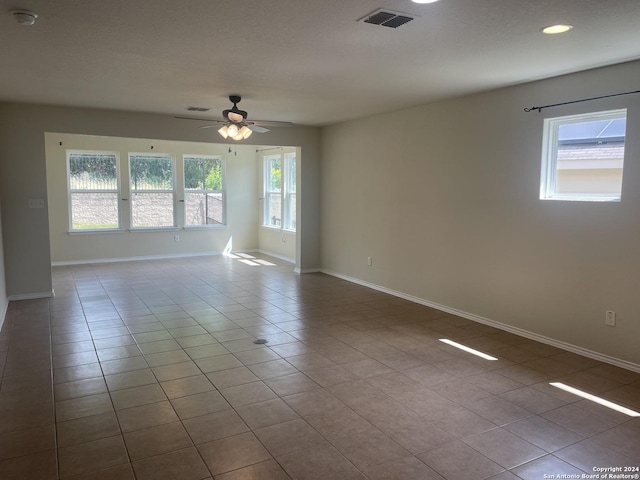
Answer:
(257, 128)
(217, 125)
(199, 119)
(271, 123)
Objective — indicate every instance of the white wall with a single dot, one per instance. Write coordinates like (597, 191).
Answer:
(445, 198)
(241, 179)
(23, 176)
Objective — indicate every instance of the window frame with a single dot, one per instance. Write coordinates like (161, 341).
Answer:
(270, 192)
(223, 190)
(289, 196)
(71, 191)
(173, 191)
(549, 166)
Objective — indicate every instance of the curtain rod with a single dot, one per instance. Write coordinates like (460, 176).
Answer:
(539, 109)
(270, 148)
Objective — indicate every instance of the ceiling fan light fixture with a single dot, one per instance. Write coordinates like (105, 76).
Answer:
(245, 132)
(224, 131)
(232, 130)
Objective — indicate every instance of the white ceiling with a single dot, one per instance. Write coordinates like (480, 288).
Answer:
(306, 61)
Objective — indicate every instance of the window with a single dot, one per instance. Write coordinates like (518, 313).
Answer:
(280, 191)
(93, 180)
(273, 190)
(152, 190)
(203, 189)
(289, 207)
(583, 156)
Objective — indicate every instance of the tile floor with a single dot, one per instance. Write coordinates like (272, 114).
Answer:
(148, 371)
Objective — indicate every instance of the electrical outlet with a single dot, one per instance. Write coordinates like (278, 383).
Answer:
(610, 318)
(176, 238)
(369, 261)
(283, 240)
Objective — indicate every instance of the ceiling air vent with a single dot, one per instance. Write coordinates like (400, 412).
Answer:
(387, 18)
(198, 109)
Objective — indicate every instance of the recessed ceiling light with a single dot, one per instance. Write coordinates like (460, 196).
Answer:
(553, 29)
(424, 1)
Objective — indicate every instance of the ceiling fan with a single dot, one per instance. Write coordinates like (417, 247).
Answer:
(235, 124)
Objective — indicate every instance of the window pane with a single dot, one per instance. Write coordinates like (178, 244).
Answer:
(151, 172)
(204, 208)
(94, 211)
(291, 215)
(274, 173)
(292, 173)
(92, 171)
(202, 173)
(152, 210)
(274, 210)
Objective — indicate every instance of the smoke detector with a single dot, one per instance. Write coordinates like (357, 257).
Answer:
(24, 17)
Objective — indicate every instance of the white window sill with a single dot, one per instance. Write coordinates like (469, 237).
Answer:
(581, 198)
(153, 229)
(95, 231)
(214, 226)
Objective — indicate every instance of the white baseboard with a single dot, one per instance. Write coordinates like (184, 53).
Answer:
(133, 259)
(492, 323)
(30, 296)
(277, 255)
(307, 270)
(3, 312)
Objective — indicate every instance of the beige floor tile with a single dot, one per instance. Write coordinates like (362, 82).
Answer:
(368, 449)
(232, 377)
(321, 463)
(120, 472)
(312, 402)
(183, 387)
(83, 407)
(589, 454)
(137, 378)
(579, 420)
(183, 464)
(543, 433)
(289, 437)
(264, 414)
(134, 397)
(542, 466)
(156, 440)
(79, 388)
(176, 370)
(533, 400)
(232, 453)
(80, 372)
(338, 422)
(497, 410)
(247, 394)
(504, 448)
(623, 439)
(199, 404)
(37, 466)
(217, 363)
(215, 426)
(458, 461)
(92, 456)
(291, 384)
(146, 416)
(27, 441)
(87, 429)
(122, 365)
(269, 470)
